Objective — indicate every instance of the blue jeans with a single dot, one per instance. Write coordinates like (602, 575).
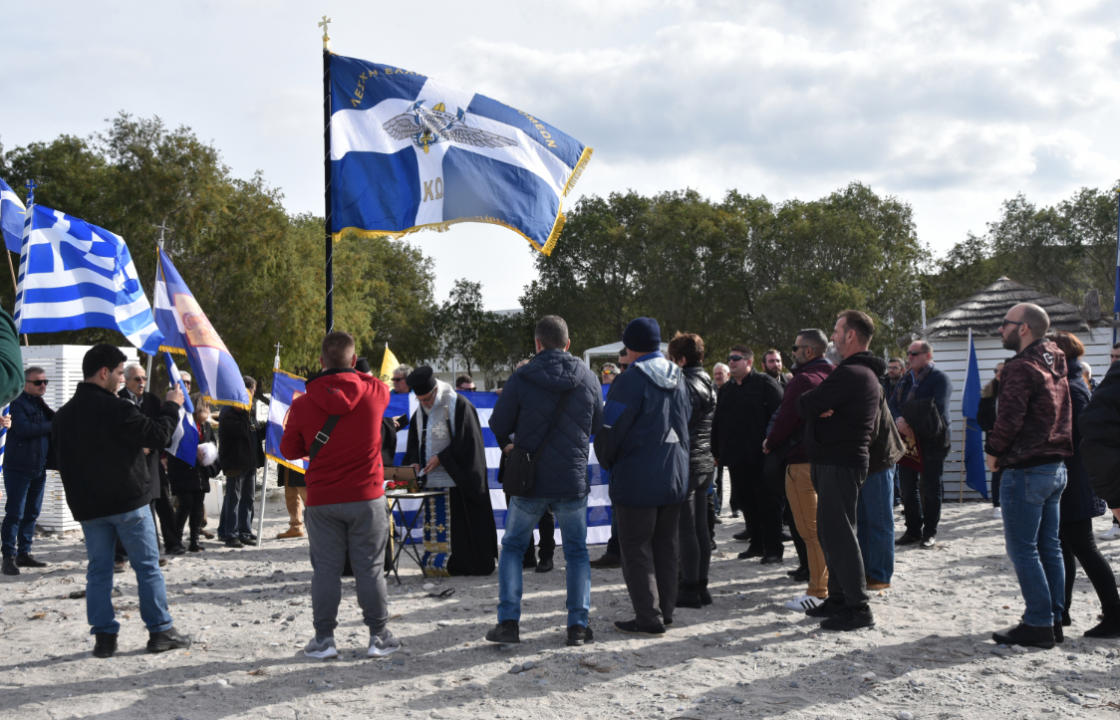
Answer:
(137, 533)
(237, 506)
(521, 516)
(1029, 498)
(875, 525)
(24, 501)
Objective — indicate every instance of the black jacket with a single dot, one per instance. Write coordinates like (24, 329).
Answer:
(1099, 424)
(525, 409)
(852, 393)
(100, 439)
(1078, 501)
(29, 436)
(150, 406)
(742, 416)
(702, 397)
(238, 446)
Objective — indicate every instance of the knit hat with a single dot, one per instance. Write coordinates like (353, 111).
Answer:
(421, 380)
(642, 335)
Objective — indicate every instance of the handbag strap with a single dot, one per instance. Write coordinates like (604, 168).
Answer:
(321, 437)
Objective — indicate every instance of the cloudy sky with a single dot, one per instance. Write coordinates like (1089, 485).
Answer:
(953, 107)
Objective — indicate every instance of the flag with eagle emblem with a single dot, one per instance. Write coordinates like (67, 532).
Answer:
(407, 153)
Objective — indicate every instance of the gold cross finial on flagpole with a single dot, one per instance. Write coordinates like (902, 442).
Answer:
(326, 38)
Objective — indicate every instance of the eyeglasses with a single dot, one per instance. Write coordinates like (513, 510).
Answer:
(1011, 322)
(40, 383)
(734, 358)
(912, 353)
(139, 378)
(799, 347)
(398, 379)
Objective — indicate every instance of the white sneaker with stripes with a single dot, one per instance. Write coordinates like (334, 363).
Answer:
(801, 603)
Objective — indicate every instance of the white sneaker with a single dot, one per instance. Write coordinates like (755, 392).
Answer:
(322, 649)
(383, 644)
(997, 514)
(1112, 533)
(801, 603)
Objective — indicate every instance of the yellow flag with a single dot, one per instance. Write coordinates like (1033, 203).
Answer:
(389, 363)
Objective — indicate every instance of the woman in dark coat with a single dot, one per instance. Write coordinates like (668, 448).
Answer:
(687, 351)
(1079, 506)
(190, 484)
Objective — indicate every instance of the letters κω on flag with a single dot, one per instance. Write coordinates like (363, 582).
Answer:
(74, 275)
(187, 331)
(408, 153)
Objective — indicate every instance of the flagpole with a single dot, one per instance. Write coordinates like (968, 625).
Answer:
(328, 241)
(155, 283)
(264, 484)
(1116, 287)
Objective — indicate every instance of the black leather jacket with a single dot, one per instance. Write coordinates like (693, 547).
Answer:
(702, 397)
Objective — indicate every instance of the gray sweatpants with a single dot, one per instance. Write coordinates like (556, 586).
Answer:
(363, 527)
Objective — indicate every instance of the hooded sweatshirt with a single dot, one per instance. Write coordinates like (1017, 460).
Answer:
(525, 410)
(1034, 415)
(644, 440)
(348, 467)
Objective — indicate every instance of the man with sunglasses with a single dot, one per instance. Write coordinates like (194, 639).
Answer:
(920, 405)
(743, 410)
(25, 473)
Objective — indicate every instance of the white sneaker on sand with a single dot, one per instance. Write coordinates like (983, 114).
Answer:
(801, 603)
(997, 514)
(383, 644)
(323, 649)
(1112, 533)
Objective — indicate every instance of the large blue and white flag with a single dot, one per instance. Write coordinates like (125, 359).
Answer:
(286, 387)
(184, 441)
(187, 331)
(408, 153)
(12, 213)
(976, 474)
(74, 275)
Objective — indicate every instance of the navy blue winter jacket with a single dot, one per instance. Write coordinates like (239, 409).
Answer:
(29, 436)
(527, 404)
(644, 440)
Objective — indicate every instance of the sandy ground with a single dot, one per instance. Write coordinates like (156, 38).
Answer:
(930, 655)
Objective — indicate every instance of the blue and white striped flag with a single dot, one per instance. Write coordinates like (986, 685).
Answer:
(184, 441)
(74, 275)
(187, 331)
(286, 387)
(3, 436)
(12, 213)
(409, 153)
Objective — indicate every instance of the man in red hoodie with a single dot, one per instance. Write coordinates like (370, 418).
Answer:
(345, 493)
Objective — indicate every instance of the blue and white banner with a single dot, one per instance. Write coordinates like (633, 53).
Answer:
(184, 441)
(409, 153)
(74, 275)
(187, 331)
(286, 387)
(12, 213)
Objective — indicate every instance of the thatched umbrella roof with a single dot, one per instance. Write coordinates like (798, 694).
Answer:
(984, 311)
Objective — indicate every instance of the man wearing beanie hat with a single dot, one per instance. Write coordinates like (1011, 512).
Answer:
(644, 444)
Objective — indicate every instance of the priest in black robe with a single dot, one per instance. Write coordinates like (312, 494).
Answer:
(445, 442)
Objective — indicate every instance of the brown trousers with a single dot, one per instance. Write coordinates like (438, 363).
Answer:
(803, 505)
(295, 498)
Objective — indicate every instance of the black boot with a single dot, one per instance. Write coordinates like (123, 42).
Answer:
(10, 565)
(688, 596)
(702, 588)
(1108, 627)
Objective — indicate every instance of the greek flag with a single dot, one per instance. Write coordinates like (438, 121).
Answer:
(187, 331)
(408, 153)
(184, 441)
(286, 387)
(11, 217)
(74, 275)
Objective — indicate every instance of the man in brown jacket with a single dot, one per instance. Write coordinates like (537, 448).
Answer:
(1032, 436)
